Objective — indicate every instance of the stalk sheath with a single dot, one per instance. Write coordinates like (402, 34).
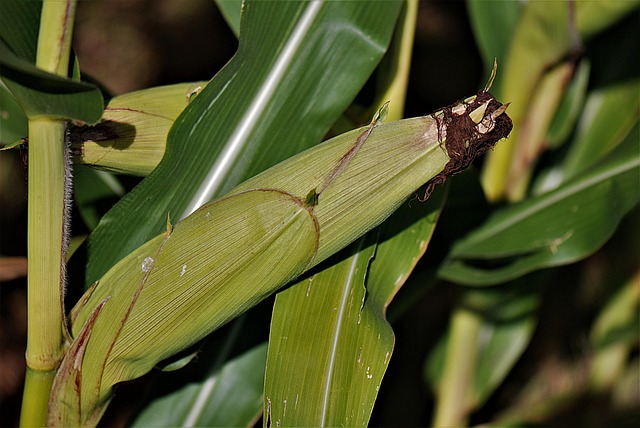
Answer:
(46, 224)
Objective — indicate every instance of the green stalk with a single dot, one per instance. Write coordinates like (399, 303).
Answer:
(459, 367)
(396, 67)
(46, 243)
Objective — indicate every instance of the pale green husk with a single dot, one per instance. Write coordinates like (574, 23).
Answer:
(132, 134)
(233, 252)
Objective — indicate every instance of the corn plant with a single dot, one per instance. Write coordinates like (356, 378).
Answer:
(240, 200)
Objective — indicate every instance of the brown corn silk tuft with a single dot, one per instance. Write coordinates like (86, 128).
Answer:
(462, 139)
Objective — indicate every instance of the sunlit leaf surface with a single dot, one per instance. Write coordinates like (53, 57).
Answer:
(336, 341)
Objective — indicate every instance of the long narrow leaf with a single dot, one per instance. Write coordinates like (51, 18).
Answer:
(13, 122)
(331, 345)
(19, 25)
(493, 24)
(556, 228)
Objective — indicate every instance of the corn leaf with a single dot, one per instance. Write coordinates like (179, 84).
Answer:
(19, 26)
(553, 229)
(489, 330)
(610, 115)
(570, 107)
(39, 93)
(93, 191)
(44, 94)
(493, 24)
(229, 397)
(339, 350)
(230, 10)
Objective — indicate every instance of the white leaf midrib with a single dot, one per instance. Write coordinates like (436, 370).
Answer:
(257, 107)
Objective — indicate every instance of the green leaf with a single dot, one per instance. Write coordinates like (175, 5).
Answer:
(19, 26)
(337, 340)
(231, 10)
(610, 113)
(596, 15)
(279, 95)
(93, 192)
(404, 238)
(231, 396)
(493, 24)
(614, 335)
(44, 94)
(570, 107)
(553, 229)
(37, 92)
(489, 331)
(13, 122)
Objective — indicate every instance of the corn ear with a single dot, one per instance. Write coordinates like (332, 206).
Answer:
(233, 252)
(132, 134)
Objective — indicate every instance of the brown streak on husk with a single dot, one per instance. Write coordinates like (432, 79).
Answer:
(72, 366)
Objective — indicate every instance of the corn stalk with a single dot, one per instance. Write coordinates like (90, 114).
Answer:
(47, 240)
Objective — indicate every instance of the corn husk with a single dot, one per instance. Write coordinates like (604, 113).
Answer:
(132, 135)
(234, 251)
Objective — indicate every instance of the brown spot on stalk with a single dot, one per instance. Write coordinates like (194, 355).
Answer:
(463, 138)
